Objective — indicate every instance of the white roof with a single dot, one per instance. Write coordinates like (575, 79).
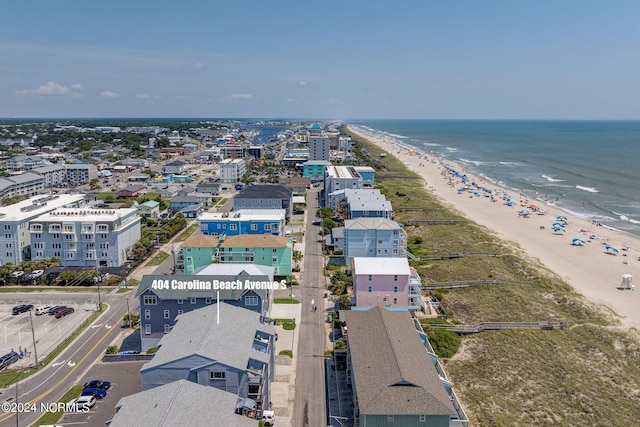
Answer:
(85, 215)
(380, 266)
(246, 215)
(299, 199)
(37, 205)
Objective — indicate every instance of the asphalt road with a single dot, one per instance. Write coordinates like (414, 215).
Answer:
(310, 402)
(50, 384)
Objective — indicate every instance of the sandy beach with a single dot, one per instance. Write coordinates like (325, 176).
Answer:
(590, 269)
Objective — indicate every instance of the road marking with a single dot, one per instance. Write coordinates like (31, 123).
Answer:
(96, 326)
(108, 326)
(58, 363)
(70, 363)
(55, 387)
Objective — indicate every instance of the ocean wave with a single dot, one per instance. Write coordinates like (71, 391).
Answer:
(393, 135)
(552, 186)
(510, 163)
(634, 221)
(452, 149)
(474, 162)
(588, 189)
(552, 179)
(431, 144)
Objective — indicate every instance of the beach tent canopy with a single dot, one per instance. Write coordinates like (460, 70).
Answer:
(610, 249)
(577, 242)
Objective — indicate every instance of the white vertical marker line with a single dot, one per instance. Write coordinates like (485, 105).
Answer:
(218, 306)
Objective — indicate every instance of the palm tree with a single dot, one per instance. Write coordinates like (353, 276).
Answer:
(297, 257)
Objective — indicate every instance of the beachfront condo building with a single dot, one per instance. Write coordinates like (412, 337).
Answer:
(338, 178)
(370, 237)
(314, 168)
(15, 239)
(82, 237)
(25, 184)
(267, 196)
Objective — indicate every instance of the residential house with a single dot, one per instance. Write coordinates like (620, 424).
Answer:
(196, 251)
(370, 237)
(177, 167)
(148, 209)
(244, 221)
(212, 188)
(82, 237)
(132, 191)
(338, 199)
(160, 305)
(179, 403)
(373, 208)
(193, 211)
(221, 346)
(177, 203)
(368, 175)
(381, 282)
(265, 197)
(297, 184)
(261, 249)
(394, 381)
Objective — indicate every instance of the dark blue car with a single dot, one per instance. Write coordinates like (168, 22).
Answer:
(98, 384)
(98, 393)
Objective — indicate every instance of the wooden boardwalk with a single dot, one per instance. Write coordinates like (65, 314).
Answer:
(466, 284)
(494, 326)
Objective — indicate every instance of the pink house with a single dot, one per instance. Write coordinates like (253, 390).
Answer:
(382, 282)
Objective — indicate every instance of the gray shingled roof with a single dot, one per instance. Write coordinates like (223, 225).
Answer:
(180, 403)
(393, 373)
(227, 339)
(370, 224)
(265, 192)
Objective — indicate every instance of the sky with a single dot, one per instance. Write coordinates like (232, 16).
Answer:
(413, 59)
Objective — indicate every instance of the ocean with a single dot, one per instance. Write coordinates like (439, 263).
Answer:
(586, 168)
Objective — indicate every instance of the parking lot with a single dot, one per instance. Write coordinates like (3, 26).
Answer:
(125, 380)
(15, 330)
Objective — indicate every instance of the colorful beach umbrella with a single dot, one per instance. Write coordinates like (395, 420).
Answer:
(577, 242)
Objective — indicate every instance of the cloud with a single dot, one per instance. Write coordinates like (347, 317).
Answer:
(199, 66)
(240, 96)
(76, 86)
(289, 100)
(109, 94)
(142, 96)
(51, 88)
(302, 83)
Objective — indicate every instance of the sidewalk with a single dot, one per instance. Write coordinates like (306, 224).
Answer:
(283, 387)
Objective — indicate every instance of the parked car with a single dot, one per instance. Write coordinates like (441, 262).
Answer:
(17, 273)
(53, 275)
(55, 308)
(42, 309)
(82, 402)
(268, 418)
(105, 385)
(36, 274)
(8, 359)
(98, 393)
(22, 308)
(63, 312)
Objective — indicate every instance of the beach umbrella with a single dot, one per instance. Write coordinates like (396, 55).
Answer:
(577, 242)
(558, 230)
(562, 217)
(558, 224)
(610, 250)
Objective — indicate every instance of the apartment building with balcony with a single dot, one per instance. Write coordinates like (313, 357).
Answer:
(82, 237)
(15, 236)
(243, 221)
(370, 237)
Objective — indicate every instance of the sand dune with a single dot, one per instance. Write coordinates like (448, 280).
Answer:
(588, 268)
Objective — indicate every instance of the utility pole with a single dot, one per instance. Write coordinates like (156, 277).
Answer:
(98, 278)
(128, 313)
(33, 335)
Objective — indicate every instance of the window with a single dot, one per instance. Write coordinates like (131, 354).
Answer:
(217, 375)
(147, 329)
(147, 314)
(55, 236)
(180, 312)
(395, 277)
(189, 259)
(389, 418)
(8, 245)
(207, 300)
(267, 226)
(251, 300)
(167, 328)
(7, 227)
(423, 418)
(274, 260)
(180, 301)
(150, 300)
(395, 251)
(254, 227)
(395, 242)
(9, 254)
(369, 278)
(7, 236)
(233, 227)
(395, 289)
(193, 300)
(369, 289)
(395, 301)
(379, 242)
(103, 236)
(166, 314)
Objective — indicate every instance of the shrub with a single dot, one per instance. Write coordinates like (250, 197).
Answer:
(445, 343)
(340, 344)
(112, 349)
(152, 350)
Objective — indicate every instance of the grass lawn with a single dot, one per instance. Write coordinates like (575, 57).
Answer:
(51, 418)
(285, 301)
(188, 232)
(158, 259)
(517, 377)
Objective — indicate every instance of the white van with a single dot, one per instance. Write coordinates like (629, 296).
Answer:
(268, 418)
(287, 233)
(43, 309)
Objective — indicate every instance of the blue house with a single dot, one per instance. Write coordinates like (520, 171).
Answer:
(314, 168)
(265, 197)
(367, 173)
(244, 221)
(163, 297)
